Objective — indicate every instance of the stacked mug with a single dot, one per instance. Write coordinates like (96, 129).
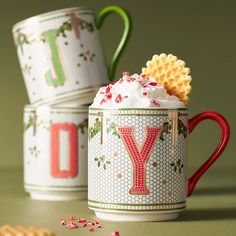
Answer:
(63, 66)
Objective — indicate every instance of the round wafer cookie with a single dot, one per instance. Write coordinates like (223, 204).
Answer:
(171, 72)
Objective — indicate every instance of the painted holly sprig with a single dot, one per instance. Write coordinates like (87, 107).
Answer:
(177, 166)
(111, 129)
(166, 127)
(95, 129)
(87, 55)
(83, 125)
(101, 161)
(85, 25)
(34, 151)
(30, 122)
(21, 39)
(182, 129)
(66, 26)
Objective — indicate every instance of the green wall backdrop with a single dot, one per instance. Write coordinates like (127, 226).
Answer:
(203, 33)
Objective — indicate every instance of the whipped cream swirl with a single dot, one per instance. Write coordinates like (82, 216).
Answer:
(135, 91)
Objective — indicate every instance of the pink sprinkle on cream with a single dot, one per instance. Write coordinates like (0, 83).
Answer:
(125, 73)
(152, 84)
(108, 89)
(118, 98)
(109, 96)
(103, 101)
(154, 101)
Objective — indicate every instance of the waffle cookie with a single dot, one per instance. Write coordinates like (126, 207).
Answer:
(171, 72)
(9, 230)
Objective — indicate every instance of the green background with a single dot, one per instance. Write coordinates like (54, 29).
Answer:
(203, 34)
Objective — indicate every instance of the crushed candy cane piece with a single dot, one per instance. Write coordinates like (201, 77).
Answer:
(139, 90)
(62, 222)
(72, 225)
(103, 101)
(81, 220)
(144, 93)
(108, 89)
(118, 98)
(109, 95)
(98, 224)
(154, 101)
(153, 83)
(125, 73)
(72, 218)
(116, 233)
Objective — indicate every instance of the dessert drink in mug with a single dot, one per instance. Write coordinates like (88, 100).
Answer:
(137, 150)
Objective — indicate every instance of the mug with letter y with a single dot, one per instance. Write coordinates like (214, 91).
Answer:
(137, 152)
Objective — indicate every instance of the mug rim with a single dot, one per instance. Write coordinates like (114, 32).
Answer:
(50, 14)
(138, 109)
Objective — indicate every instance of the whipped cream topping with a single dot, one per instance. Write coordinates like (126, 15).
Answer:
(135, 91)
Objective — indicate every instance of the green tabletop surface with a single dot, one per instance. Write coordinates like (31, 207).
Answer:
(210, 211)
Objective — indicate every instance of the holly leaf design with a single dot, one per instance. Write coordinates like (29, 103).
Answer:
(81, 126)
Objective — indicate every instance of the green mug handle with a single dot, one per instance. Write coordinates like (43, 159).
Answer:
(125, 37)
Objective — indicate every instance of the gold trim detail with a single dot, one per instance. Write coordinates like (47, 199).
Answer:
(136, 210)
(126, 204)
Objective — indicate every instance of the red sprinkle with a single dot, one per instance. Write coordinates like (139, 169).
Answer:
(91, 229)
(116, 233)
(121, 81)
(62, 222)
(109, 96)
(108, 89)
(118, 98)
(143, 75)
(152, 83)
(112, 83)
(81, 220)
(72, 225)
(144, 93)
(103, 101)
(84, 224)
(72, 218)
(98, 224)
(125, 73)
(155, 102)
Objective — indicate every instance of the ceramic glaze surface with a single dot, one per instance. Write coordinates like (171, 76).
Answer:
(137, 160)
(55, 152)
(60, 53)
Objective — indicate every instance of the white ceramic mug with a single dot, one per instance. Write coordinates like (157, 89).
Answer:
(60, 52)
(137, 162)
(55, 152)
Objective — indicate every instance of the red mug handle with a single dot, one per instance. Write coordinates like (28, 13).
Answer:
(225, 133)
